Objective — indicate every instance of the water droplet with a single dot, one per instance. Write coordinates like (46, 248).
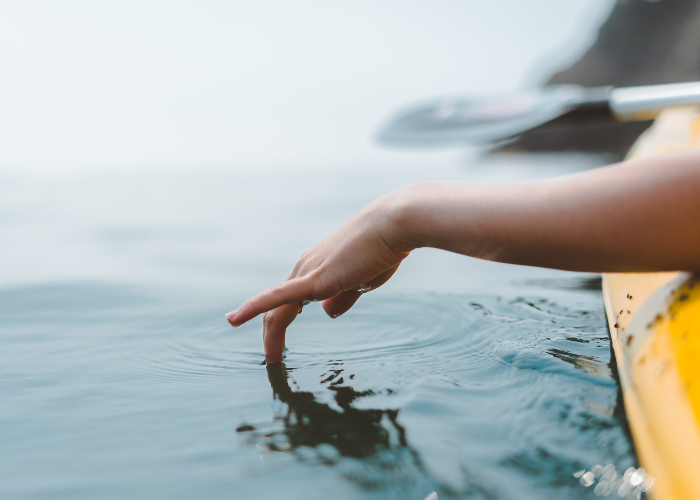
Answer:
(624, 488)
(637, 477)
(587, 479)
(609, 471)
(647, 484)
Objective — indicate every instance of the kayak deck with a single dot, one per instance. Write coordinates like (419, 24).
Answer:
(654, 321)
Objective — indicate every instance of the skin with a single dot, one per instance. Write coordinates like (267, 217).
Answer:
(641, 215)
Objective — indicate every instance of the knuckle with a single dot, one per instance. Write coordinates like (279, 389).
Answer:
(306, 269)
(308, 265)
(323, 286)
(254, 303)
(269, 319)
(276, 289)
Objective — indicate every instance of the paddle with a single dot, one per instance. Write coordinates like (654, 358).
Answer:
(478, 122)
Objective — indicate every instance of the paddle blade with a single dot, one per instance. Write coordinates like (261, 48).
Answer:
(477, 122)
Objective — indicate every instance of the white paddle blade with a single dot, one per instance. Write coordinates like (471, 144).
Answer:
(479, 122)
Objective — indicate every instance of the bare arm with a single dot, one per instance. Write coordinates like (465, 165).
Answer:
(635, 216)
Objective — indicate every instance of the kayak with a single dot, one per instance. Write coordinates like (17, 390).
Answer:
(654, 321)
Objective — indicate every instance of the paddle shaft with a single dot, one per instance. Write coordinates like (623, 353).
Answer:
(646, 102)
(634, 103)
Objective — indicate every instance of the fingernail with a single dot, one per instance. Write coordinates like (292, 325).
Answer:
(231, 317)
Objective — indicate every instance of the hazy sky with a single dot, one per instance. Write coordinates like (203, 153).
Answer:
(128, 84)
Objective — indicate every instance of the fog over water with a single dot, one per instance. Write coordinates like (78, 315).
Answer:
(161, 162)
(253, 84)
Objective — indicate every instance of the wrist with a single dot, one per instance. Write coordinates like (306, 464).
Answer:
(403, 224)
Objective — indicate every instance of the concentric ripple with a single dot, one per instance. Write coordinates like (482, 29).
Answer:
(471, 396)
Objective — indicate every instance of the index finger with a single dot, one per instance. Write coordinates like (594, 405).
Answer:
(294, 290)
(275, 324)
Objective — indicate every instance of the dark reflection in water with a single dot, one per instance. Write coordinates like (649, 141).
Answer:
(353, 432)
(373, 437)
(585, 363)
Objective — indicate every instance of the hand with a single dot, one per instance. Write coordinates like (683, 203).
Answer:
(637, 216)
(359, 256)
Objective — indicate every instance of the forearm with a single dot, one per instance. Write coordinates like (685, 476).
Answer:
(634, 216)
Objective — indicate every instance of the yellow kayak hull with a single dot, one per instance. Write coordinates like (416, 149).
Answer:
(654, 321)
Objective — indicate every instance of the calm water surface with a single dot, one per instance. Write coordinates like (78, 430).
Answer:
(121, 379)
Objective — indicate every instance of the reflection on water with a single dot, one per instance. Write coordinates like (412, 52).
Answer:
(594, 284)
(324, 433)
(492, 432)
(353, 432)
(585, 363)
(479, 396)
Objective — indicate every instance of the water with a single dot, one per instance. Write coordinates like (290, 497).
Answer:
(201, 151)
(111, 393)
(121, 378)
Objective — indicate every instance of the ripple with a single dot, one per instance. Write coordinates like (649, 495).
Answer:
(525, 374)
(472, 396)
